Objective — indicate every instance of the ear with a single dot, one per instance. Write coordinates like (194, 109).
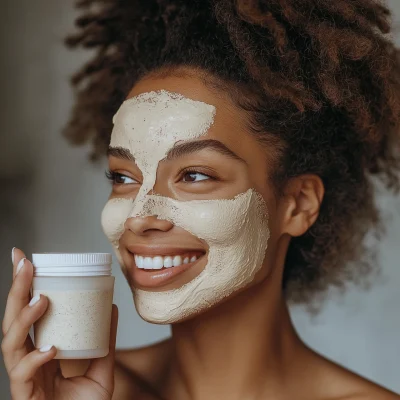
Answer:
(303, 197)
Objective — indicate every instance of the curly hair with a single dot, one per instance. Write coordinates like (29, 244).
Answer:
(319, 78)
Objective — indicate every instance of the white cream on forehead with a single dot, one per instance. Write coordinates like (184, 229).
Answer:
(236, 230)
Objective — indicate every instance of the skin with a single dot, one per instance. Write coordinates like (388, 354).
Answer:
(244, 347)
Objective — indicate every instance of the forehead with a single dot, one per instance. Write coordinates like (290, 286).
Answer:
(230, 122)
(162, 118)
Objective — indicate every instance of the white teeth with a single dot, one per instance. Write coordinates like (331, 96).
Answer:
(159, 262)
(139, 261)
(168, 262)
(177, 261)
(148, 263)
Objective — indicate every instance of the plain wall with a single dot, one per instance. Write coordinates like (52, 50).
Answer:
(52, 197)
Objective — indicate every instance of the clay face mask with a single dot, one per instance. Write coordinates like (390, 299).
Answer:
(236, 230)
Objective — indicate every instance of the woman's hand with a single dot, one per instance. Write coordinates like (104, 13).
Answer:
(33, 373)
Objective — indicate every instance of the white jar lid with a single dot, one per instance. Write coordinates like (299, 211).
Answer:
(71, 264)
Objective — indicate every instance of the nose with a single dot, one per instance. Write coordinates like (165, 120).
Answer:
(142, 225)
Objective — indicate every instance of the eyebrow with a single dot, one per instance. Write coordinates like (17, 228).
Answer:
(120, 152)
(180, 150)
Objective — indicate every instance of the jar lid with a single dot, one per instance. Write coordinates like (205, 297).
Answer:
(71, 264)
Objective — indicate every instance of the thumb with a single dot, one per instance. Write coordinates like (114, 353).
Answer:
(101, 370)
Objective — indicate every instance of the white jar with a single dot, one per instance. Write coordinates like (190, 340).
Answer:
(80, 291)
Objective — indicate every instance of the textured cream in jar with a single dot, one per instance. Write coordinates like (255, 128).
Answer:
(80, 292)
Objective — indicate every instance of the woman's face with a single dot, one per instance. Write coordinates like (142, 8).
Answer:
(191, 209)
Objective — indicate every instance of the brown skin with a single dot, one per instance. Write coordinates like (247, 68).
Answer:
(245, 347)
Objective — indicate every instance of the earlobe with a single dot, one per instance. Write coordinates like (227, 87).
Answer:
(303, 198)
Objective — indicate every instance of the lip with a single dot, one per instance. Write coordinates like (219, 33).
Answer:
(157, 278)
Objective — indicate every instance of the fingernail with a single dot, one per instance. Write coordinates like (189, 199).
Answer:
(20, 265)
(12, 255)
(45, 348)
(34, 300)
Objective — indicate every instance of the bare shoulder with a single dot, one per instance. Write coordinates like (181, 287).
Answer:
(338, 383)
(137, 371)
(363, 389)
(372, 393)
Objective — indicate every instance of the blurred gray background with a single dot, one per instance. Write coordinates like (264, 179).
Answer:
(52, 196)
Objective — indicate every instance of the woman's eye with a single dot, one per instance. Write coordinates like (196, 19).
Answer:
(124, 179)
(119, 179)
(194, 177)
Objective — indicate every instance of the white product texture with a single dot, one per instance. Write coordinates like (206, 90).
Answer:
(77, 320)
(236, 230)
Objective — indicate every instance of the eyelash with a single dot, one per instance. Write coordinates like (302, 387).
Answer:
(193, 170)
(112, 175)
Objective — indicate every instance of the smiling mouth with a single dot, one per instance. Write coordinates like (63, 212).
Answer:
(157, 270)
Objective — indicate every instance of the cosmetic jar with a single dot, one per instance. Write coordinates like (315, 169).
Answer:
(80, 290)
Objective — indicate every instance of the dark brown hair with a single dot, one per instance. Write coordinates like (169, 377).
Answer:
(318, 77)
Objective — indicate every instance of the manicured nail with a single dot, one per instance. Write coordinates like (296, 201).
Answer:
(45, 348)
(34, 300)
(12, 255)
(20, 265)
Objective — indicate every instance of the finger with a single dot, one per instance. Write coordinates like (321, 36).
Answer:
(19, 294)
(21, 375)
(101, 370)
(14, 342)
(16, 256)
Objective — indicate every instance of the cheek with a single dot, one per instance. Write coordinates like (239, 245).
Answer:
(113, 217)
(215, 221)
(237, 233)
(272, 252)
(236, 228)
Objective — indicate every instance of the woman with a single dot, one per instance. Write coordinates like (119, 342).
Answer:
(244, 138)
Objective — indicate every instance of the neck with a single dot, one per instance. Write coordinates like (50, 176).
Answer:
(243, 348)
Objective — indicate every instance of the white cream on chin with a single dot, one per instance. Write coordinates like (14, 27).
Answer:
(236, 230)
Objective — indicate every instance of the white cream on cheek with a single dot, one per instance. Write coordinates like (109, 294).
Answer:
(236, 230)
